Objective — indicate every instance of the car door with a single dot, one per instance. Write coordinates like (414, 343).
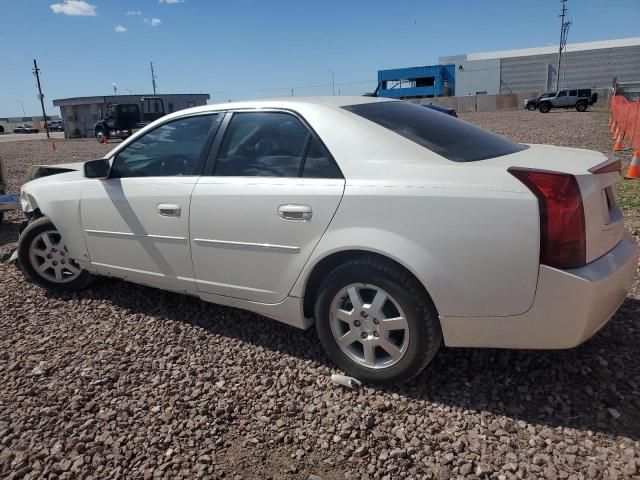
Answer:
(562, 99)
(136, 222)
(264, 203)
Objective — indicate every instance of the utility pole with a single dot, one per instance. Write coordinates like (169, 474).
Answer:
(292, 92)
(153, 79)
(36, 72)
(22, 104)
(564, 31)
(333, 82)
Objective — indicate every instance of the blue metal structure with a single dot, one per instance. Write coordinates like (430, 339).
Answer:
(417, 82)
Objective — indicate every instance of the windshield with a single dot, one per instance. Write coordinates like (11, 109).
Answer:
(450, 137)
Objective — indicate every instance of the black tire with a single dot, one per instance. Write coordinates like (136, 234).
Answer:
(581, 106)
(545, 107)
(425, 334)
(531, 107)
(28, 235)
(101, 135)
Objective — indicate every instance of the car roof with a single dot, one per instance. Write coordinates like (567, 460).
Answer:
(288, 102)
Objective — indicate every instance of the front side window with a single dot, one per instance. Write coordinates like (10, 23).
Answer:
(447, 136)
(562, 94)
(173, 148)
(263, 144)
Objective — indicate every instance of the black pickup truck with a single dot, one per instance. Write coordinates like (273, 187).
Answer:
(122, 119)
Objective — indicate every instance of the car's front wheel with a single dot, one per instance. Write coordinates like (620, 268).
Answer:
(545, 107)
(581, 107)
(376, 321)
(531, 107)
(44, 259)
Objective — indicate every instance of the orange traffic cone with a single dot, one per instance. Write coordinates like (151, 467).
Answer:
(610, 120)
(613, 126)
(616, 133)
(634, 166)
(53, 146)
(106, 139)
(618, 145)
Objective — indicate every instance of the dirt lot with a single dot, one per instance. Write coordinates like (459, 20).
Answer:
(124, 381)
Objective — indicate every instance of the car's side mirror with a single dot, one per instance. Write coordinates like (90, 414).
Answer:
(97, 168)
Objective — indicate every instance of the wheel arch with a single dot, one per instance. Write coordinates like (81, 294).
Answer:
(62, 207)
(326, 264)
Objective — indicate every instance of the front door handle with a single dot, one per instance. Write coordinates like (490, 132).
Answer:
(295, 212)
(169, 210)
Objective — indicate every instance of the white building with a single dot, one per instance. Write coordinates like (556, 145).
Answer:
(584, 65)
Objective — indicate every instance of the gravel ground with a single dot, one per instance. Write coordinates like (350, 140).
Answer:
(124, 381)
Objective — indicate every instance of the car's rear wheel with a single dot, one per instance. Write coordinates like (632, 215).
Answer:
(376, 321)
(581, 107)
(545, 107)
(531, 107)
(44, 258)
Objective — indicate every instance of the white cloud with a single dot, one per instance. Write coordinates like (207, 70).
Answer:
(120, 29)
(154, 22)
(134, 12)
(169, 2)
(74, 8)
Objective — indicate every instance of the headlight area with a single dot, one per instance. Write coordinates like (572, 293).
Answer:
(27, 203)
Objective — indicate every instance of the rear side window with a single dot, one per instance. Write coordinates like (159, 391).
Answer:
(450, 137)
(272, 144)
(319, 163)
(573, 93)
(266, 144)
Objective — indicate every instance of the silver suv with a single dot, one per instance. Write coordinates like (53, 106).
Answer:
(579, 99)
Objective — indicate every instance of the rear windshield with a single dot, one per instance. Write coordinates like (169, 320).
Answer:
(450, 137)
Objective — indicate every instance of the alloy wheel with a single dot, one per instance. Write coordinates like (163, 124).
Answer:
(50, 258)
(369, 326)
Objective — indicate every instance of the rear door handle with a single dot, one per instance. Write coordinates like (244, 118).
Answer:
(295, 212)
(169, 210)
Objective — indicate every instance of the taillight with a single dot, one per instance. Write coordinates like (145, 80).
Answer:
(562, 230)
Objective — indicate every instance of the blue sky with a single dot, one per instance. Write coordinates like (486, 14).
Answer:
(238, 49)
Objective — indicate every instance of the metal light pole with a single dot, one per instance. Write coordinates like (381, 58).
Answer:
(115, 88)
(333, 82)
(22, 104)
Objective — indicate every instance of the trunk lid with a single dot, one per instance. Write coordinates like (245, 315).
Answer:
(604, 226)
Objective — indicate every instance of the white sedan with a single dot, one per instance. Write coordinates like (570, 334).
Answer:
(394, 227)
